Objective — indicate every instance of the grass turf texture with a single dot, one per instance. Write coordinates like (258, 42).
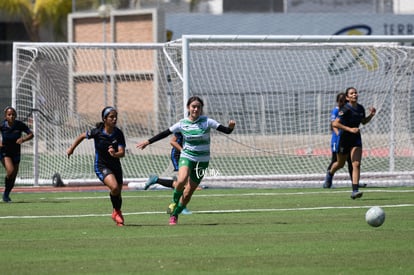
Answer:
(231, 231)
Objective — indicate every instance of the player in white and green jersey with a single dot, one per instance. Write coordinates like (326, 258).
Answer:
(195, 156)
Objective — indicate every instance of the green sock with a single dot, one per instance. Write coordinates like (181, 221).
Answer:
(178, 209)
(177, 195)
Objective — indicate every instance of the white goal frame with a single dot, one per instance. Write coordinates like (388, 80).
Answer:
(390, 177)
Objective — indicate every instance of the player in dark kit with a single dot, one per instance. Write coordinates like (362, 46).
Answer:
(10, 147)
(350, 116)
(109, 148)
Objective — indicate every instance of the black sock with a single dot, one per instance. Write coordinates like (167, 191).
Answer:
(166, 182)
(116, 201)
(8, 186)
(354, 187)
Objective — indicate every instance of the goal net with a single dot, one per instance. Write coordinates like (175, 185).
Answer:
(279, 91)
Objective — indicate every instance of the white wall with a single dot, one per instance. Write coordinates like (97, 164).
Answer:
(404, 6)
(290, 24)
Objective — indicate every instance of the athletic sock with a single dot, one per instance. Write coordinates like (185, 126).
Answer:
(177, 195)
(166, 182)
(178, 209)
(8, 186)
(355, 187)
(116, 201)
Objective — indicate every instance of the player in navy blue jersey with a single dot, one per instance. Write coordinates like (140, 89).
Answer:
(109, 148)
(350, 116)
(10, 147)
(177, 144)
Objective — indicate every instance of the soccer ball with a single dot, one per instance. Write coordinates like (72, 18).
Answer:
(375, 216)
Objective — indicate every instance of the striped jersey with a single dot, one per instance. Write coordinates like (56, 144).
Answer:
(196, 135)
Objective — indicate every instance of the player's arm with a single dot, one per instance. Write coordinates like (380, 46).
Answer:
(228, 129)
(117, 154)
(336, 130)
(28, 134)
(155, 138)
(175, 144)
(371, 115)
(337, 124)
(75, 144)
(27, 137)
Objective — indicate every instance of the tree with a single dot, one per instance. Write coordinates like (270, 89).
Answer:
(36, 14)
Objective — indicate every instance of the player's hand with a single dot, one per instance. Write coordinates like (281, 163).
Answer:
(354, 130)
(69, 152)
(142, 145)
(111, 151)
(232, 123)
(373, 111)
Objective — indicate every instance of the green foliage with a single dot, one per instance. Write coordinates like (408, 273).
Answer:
(38, 13)
(231, 231)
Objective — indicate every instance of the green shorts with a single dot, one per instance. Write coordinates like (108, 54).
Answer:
(197, 169)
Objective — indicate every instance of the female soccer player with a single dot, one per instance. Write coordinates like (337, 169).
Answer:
(10, 146)
(109, 148)
(176, 143)
(195, 156)
(340, 101)
(350, 116)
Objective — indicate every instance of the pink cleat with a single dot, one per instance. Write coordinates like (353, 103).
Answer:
(173, 220)
(117, 217)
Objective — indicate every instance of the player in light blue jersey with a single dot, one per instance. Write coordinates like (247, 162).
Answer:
(340, 101)
(195, 155)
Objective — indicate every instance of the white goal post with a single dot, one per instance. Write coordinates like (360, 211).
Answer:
(279, 89)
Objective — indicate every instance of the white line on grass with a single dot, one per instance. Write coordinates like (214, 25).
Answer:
(210, 211)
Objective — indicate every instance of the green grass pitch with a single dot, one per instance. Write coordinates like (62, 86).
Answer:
(231, 231)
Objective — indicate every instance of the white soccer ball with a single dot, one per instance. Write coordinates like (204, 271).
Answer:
(375, 216)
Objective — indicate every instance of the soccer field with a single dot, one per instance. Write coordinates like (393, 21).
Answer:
(231, 231)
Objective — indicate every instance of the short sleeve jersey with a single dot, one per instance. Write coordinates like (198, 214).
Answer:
(334, 115)
(196, 137)
(11, 134)
(350, 116)
(102, 142)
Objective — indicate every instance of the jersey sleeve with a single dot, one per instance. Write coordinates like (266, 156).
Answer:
(25, 128)
(91, 133)
(121, 140)
(212, 123)
(175, 128)
(334, 113)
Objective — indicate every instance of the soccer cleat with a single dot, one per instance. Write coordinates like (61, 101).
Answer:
(186, 212)
(151, 181)
(6, 198)
(117, 217)
(173, 220)
(356, 195)
(171, 208)
(328, 180)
